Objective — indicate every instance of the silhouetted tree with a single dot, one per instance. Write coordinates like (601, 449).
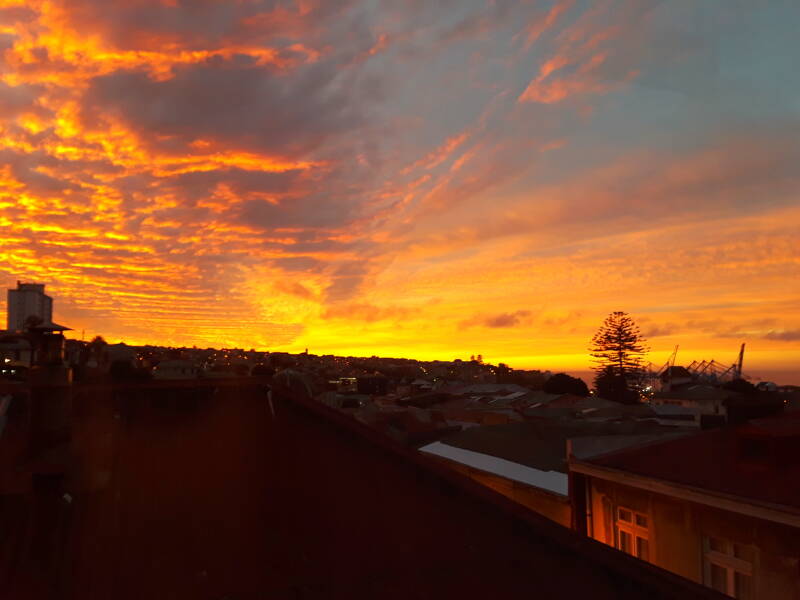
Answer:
(618, 349)
(611, 386)
(561, 383)
(32, 321)
(502, 373)
(534, 380)
(741, 386)
(97, 349)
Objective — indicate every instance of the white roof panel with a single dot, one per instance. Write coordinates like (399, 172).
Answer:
(552, 481)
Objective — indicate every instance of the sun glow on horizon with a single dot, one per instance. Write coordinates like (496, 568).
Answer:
(366, 179)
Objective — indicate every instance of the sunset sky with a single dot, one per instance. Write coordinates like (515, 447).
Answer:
(407, 177)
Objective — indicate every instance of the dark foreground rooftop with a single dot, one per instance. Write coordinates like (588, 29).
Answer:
(759, 461)
(225, 500)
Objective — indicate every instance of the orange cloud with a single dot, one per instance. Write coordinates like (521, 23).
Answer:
(440, 154)
(240, 174)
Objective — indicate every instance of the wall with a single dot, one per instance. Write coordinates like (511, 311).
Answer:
(677, 528)
(548, 505)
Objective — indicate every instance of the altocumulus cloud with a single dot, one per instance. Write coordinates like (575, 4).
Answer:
(272, 172)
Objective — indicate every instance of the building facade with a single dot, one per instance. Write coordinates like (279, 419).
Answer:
(720, 508)
(28, 300)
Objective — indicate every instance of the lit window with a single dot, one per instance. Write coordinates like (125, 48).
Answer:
(632, 533)
(728, 567)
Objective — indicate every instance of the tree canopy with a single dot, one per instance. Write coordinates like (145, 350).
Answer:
(32, 321)
(561, 383)
(618, 350)
(741, 386)
(615, 387)
(619, 345)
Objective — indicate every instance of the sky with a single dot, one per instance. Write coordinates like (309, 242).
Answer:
(409, 178)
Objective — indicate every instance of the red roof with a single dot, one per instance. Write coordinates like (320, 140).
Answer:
(759, 461)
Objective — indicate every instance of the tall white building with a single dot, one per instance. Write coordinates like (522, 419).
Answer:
(28, 300)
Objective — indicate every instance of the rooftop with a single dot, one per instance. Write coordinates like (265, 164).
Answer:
(759, 461)
(224, 498)
(542, 445)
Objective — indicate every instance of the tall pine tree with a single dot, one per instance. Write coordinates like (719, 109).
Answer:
(618, 349)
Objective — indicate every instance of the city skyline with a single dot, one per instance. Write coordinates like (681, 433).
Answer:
(359, 178)
(21, 313)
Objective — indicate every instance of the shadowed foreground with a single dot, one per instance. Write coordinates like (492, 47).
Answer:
(224, 500)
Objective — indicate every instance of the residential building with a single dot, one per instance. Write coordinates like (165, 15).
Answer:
(16, 350)
(28, 300)
(701, 398)
(527, 462)
(176, 369)
(713, 405)
(720, 507)
(40, 345)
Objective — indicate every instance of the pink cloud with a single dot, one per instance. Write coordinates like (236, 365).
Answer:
(538, 26)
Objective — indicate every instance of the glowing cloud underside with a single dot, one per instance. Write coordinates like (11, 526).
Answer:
(407, 179)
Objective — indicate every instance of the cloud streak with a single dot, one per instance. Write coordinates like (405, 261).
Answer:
(356, 175)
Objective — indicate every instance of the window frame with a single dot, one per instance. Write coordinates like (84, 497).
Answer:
(726, 560)
(634, 530)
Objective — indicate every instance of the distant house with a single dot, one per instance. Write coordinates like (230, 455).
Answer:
(678, 416)
(569, 407)
(376, 385)
(40, 344)
(701, 398)
(675, 376)
(408, 423)
(241, 367)
(347, 385)
(713, 403)
(486, 415)
(720, 507)
(486, 389)
(421, 386)
(176, 369)
(16, 350)
(219, 372)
